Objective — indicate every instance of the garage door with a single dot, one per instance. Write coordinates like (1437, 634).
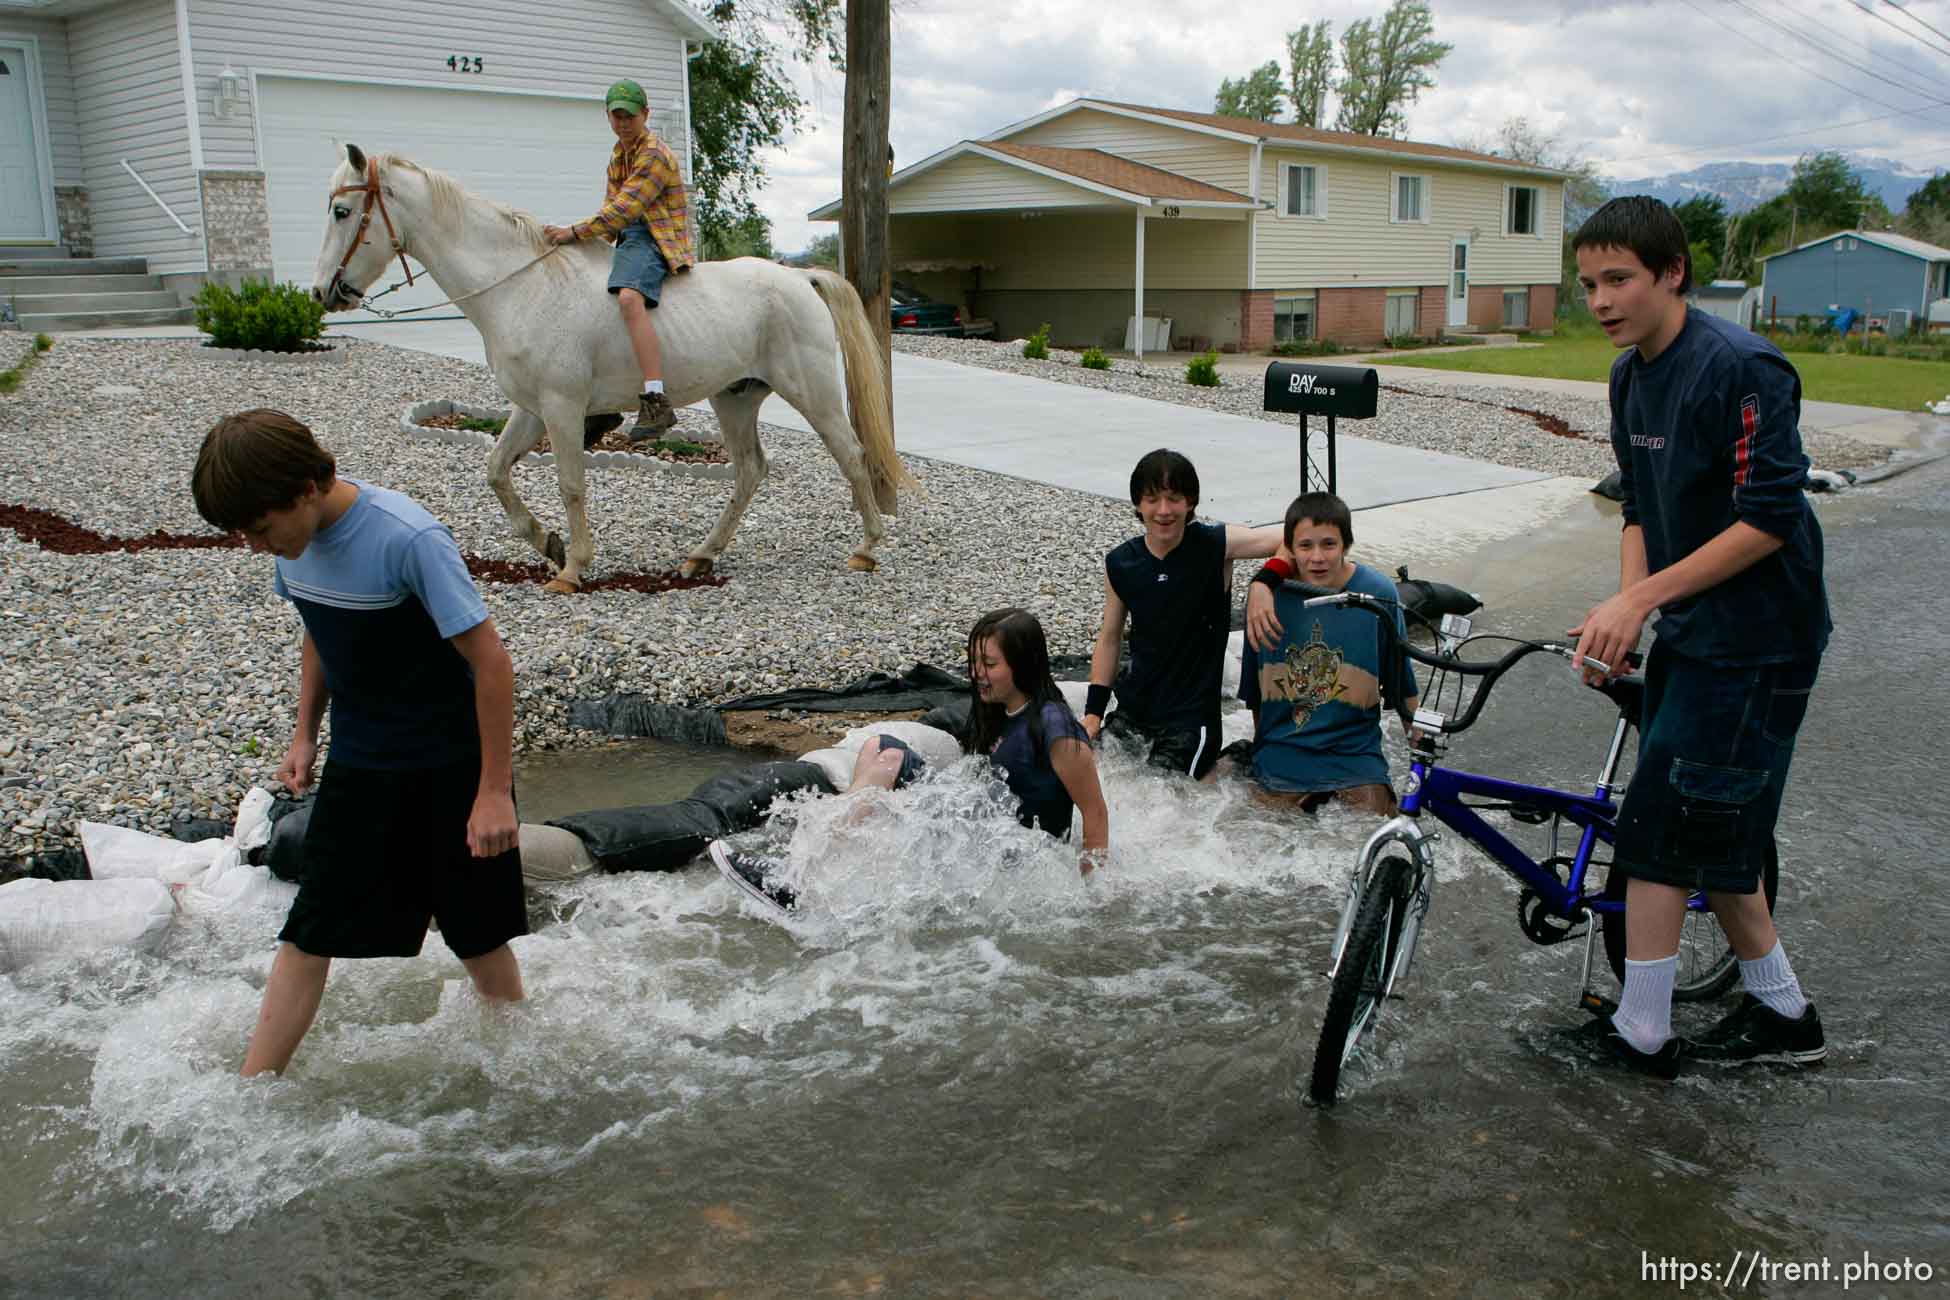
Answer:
(543, 155)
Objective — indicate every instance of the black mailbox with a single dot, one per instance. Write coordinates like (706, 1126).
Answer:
(1346, 391)
(1332, 391)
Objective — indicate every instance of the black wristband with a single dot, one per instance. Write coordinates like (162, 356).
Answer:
(1270, 576)
(1096, 700)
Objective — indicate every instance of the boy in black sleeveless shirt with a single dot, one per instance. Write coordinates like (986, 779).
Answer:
(1174, 584)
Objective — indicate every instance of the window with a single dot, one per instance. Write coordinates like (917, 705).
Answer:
(1305, 188)
(1516, 307)
(1520, 209)
(1402, 315)
(1411, 198)
(1293, 318)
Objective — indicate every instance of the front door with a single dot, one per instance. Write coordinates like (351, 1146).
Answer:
(24, 197)
(1459, 282)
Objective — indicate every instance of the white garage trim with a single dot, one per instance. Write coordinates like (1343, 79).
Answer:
(542, 153)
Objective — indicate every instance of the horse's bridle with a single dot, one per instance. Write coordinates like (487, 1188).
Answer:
(374, 197)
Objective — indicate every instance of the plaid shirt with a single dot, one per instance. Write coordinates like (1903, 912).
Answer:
(644, 185)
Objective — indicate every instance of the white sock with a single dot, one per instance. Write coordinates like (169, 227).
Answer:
(1644, 1015)
(1772, 980)
(653, 385)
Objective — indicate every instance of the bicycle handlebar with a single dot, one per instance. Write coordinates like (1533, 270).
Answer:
(1489, 671)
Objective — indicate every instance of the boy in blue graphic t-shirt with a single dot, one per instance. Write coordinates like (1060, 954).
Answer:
(415, 819)
(1316, 678)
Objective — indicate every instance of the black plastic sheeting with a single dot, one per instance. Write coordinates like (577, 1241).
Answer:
(921, 687)
(1431, 600)
(663, 837)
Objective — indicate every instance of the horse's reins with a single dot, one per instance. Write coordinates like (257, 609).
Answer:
(375, 197)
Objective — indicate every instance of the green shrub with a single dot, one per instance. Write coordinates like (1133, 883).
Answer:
(478, 425)
(1036, 346)
(42, 342)
(1305, 348)
(1094, 359)
(258, 314)
(11, 379)
(1202, 371)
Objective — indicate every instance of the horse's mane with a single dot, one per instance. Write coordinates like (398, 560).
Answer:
(450, 196)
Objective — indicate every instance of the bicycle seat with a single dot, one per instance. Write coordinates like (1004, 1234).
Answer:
(1628, 693)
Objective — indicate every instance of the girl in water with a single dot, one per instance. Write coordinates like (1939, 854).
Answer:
(1018, 718)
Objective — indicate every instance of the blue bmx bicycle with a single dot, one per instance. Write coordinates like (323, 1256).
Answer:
(1390, 889)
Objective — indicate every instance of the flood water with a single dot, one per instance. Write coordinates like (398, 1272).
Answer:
(964, 1071)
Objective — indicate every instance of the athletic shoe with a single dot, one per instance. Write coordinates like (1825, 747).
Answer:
(1757, 1032)
(749, 872)
(1599, 1037)
(654, 414)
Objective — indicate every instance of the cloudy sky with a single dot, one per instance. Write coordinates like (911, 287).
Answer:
(1642, 87)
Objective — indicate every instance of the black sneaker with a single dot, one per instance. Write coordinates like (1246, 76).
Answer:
(654, 414)
(749, 872)
(1757, 1032)
(1599, 1037)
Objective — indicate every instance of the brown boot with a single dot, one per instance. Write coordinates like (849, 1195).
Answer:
(654, 415)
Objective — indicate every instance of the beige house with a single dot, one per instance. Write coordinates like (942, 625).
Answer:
(1240, 233)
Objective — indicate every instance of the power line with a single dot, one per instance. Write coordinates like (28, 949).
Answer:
(1820, 76)
(1810, 41)
(1785, 135)
(1929, 45)
(1904, 11)
(1864, 46)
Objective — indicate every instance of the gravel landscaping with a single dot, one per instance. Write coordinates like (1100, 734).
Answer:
(149, 684)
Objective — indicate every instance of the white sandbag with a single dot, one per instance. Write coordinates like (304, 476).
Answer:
(1076, 695)
(231, 883)
(253, 829)
(836, 763)
(119, 853)
(935, 746)
(1235, 724)
(1235, 647)
(56, 918)
(550, 854)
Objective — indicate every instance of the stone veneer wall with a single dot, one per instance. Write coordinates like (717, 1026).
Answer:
(75, 220)
(236, 223)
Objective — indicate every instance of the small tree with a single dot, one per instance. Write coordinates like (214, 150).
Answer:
(1310, 70)
(1255, 95)
(824, 251)
(1384, 69)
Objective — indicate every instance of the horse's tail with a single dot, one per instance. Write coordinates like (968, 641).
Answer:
(867, 389)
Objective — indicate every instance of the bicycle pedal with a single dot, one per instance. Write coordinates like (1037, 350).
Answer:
(1597, 1003)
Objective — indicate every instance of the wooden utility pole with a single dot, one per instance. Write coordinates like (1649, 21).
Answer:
(863, 188)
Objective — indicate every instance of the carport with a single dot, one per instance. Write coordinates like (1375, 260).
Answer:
(1077, 236)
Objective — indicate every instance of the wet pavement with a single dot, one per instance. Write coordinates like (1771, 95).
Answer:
(964, 1072)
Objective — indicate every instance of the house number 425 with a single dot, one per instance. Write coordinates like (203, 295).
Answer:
(464, 63)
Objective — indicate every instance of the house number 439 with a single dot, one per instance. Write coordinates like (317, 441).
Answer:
(464, 63)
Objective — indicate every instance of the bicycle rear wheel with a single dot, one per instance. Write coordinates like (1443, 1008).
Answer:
(1362, 978)
(1707, 966)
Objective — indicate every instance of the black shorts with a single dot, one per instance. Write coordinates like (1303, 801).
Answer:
(1191, 750)
(912, 764)
(386, 851)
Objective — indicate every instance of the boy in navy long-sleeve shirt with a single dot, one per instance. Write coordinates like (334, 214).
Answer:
(1721, 548)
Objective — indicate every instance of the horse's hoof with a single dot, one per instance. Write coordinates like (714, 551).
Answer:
(694, 568)
(561, 587)
(558, 554)
(862, 563)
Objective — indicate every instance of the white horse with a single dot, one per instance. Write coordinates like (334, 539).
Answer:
(560, 352)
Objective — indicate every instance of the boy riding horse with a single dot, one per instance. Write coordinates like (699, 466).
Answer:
(646, 212)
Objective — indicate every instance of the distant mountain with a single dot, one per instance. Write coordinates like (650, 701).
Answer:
(1746, 185)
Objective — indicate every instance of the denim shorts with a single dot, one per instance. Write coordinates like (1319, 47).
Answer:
(1713, 760)
(638, 264)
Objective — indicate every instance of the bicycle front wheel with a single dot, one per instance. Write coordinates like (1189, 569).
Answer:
(1361, 980)
(1707, 966)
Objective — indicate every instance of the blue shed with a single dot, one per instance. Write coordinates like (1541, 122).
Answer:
(1870, 270)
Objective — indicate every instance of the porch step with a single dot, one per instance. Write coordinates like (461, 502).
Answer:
(11, 284)
(17, 252)
(92, 320)
(12, 264)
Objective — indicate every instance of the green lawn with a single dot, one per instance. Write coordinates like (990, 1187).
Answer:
(1891, 382)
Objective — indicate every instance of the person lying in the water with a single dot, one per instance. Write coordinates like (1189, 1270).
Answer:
(1019, 719)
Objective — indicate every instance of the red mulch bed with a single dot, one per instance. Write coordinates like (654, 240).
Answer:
(1548, 423)
(51, 532)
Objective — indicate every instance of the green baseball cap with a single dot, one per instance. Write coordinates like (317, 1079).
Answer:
(626, 94)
